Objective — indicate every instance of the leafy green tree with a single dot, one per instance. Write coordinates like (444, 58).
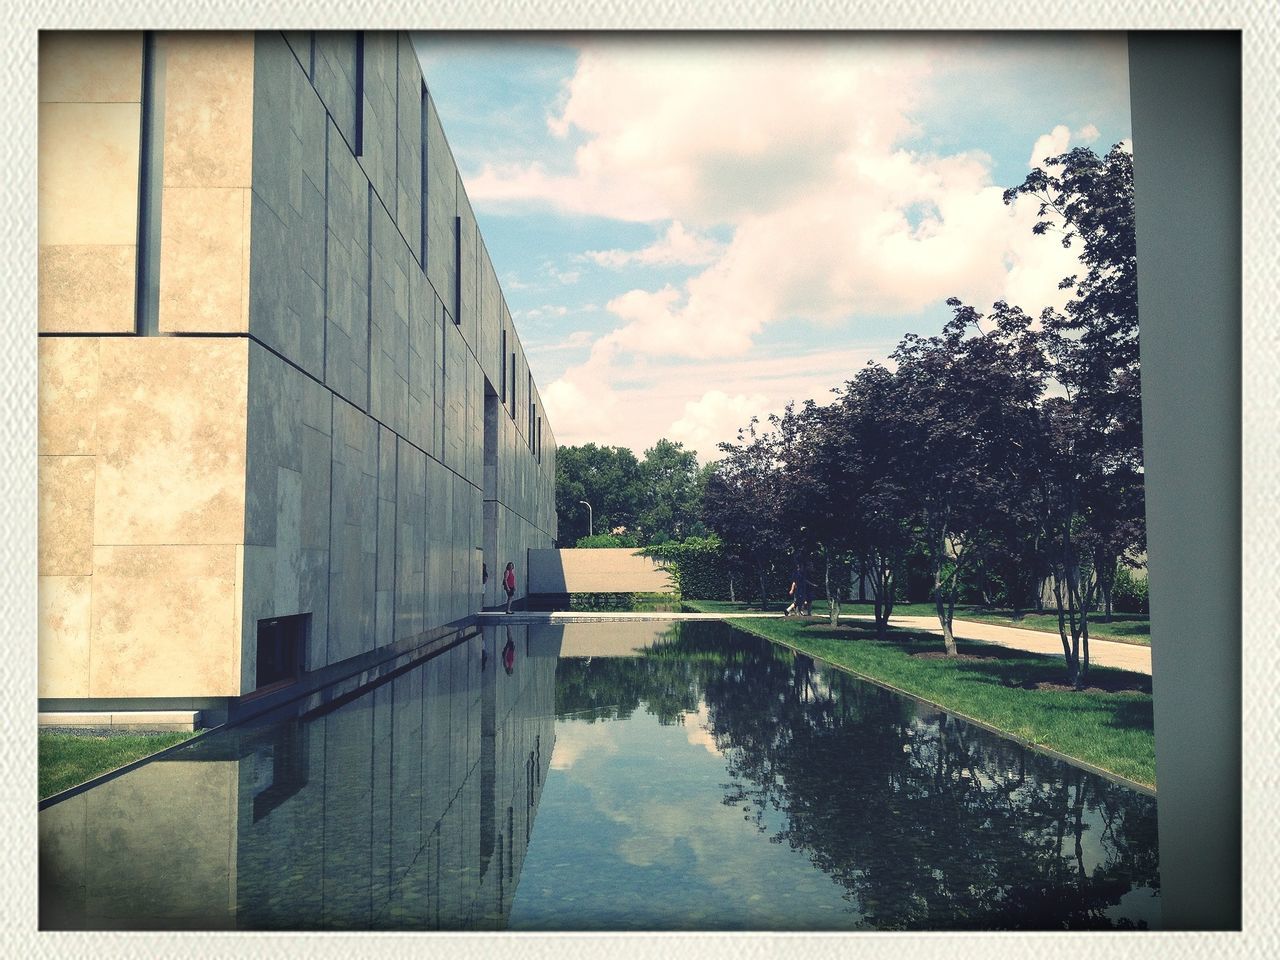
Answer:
(967, 417)
(608, 478)
(669, 480)
(1093, 484)
(742, 504)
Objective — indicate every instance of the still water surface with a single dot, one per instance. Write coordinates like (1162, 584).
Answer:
(607, 777)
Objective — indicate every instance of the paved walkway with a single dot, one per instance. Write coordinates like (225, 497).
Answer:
(1102, 653)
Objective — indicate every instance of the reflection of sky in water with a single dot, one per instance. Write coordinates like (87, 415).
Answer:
(620, 842)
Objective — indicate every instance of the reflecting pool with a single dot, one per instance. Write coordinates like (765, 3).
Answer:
(604, 776)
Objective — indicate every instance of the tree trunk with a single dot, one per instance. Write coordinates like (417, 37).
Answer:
(732, 599)
(1059, 578)
(944, 619)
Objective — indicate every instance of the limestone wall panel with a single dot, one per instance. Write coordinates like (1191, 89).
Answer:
(468, 271)
(208, 109)
(389, 324)
(411, 541)
(422, 360)
(442, 208)
(68, 395)
(385, 602)
(354, 536)
(65, 515)
(65, 605)
(287, 496)
(408, 204)
(289, 235)
(204, 242)
(88, 216)
(171, 441)
(378, 152)
(335, 80)
(163, 621)
(347, 288)
(90, 66)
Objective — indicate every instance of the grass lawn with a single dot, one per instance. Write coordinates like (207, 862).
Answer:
(1123, 628)
(67, 759)
(1109, 725)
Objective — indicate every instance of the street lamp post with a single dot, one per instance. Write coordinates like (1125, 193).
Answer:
(590, 521)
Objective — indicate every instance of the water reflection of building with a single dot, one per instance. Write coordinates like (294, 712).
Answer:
(408, 807)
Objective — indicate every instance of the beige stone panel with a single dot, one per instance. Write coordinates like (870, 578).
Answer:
(63, 636)
(68, 395)
(164, 622)
(171, 441)
(90, 66)
(246, 235)
(65, 516)
(87, 289)
(88, 173)
(208, 109)
(202, 261)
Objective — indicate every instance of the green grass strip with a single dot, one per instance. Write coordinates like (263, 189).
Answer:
(68, 759)
(1111, 727)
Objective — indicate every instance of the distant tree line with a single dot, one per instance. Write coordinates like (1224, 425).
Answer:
(634, 502)
(1003, 453)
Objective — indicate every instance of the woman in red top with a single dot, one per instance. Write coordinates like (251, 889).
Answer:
(509, 583)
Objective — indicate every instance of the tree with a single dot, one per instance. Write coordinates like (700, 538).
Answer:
(606, 477)
(669, 506)
(965, 413)
(1094, 432)
(741, 504)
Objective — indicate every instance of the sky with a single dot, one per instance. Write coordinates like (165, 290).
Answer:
(692, 230)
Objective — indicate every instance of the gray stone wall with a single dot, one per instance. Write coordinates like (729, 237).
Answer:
(372, 340)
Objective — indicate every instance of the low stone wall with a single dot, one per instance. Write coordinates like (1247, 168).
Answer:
(621, 570)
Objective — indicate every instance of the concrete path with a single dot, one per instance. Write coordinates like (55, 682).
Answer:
(1102, 653)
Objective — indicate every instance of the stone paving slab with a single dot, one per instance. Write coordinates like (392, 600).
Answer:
(123, 720)
(1102, 653)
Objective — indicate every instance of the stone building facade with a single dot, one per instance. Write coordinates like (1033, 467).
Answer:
(284, 413)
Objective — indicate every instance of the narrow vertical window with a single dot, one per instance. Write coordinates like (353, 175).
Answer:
(423, 210)
(359, 91)
(150, 173)
(457, 270)
(504, 366)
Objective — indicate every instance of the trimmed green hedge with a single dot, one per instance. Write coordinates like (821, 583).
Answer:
(697, 566)
(1129, 595)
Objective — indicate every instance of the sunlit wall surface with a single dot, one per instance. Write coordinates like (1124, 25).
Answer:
(277, 374)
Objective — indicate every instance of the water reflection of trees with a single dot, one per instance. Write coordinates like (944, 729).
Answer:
(927, 822)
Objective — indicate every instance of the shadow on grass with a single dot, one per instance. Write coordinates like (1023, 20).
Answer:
(1122, 694)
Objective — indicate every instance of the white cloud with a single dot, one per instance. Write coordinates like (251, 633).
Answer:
(676, 246)
(715, 417)
(796, 147)
(635, 399)
(1051, 144)
(544, 312)
(1088, 133)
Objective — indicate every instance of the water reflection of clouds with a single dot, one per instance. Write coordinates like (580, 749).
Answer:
(577, 740)
(698, 727)
(673, 828)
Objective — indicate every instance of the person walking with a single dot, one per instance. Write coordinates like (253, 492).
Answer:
(509, 583)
